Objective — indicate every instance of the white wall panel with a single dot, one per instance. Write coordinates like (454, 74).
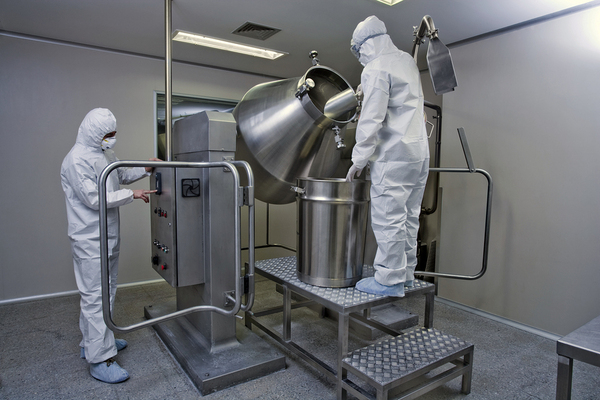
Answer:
(47, 89)
(528, 101)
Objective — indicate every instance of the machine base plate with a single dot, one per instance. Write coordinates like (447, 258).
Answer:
(250, 359)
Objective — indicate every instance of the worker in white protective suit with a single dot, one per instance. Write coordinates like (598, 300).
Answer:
(79, 176)
(391, 138)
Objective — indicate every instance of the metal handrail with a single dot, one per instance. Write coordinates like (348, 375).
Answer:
(488, 213)
(251, 240)
(239, 192)
(486, 238)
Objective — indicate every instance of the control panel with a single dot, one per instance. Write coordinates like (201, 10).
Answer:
(177, 224)
(163, 224)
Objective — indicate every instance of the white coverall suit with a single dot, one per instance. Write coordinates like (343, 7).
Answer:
(391, 137)
(79, 175)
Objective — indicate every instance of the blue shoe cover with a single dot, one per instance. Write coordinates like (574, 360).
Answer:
(108, 371)
(409, 284)
(121, 344)
(370, 285)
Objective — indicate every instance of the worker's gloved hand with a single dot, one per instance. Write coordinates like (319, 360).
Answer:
(353, 173)
(149, 169)
(142, 194)
(359, 93)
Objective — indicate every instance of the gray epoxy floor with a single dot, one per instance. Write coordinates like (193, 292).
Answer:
(39, 355)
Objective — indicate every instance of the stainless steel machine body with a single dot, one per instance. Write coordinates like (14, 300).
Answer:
(194, 248)
(279, 131)
(331, 230)
(192, 217)
(282, 124)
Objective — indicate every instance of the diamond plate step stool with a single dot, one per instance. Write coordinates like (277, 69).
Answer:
(396, 361)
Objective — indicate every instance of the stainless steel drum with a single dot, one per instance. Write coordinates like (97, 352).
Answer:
(281, 126)
(331, 228)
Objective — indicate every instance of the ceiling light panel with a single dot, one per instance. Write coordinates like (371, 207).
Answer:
(221, 44)
(389, 2)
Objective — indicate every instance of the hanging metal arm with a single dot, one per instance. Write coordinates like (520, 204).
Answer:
(439, 60)
(425, 28)
(239, 201)
(488, 213)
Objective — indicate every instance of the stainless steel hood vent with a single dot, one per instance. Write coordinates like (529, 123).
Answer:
(255, 31)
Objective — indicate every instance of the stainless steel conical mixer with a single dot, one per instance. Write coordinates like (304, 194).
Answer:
(281, 126)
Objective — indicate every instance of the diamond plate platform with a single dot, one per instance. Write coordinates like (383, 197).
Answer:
(398, 360)
(343, 301)
(283, 270)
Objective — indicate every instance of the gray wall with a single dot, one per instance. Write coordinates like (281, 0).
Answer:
(46, 91)
(528, 101)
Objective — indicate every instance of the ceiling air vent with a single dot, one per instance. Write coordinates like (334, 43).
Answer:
(255, 31)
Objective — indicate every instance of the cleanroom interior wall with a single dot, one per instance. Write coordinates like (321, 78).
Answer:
(528, 101)
(47, 89)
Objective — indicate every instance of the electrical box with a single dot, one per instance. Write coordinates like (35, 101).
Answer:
(177, 226)
(191, 218)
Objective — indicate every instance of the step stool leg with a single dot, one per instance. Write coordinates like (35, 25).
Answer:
(466, 379)
(429, 302)
(342, 393)
(382, 394)
(287, 313)
(343, 325)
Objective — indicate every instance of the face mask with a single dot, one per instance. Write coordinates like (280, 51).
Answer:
(355, 49)
(109, 143)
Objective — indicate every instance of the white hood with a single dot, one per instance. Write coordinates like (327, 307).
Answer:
(96, 124)
(371, 40)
